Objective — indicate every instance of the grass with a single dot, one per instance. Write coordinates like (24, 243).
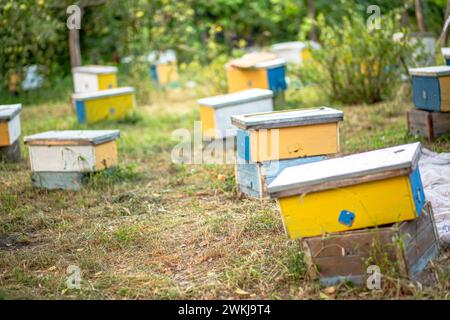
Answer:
(158, 230)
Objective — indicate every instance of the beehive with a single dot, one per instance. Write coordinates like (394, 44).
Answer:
(94, 78)
(216, 112)
(353, 192)
(252, 179)
(60, 159)
(111, 104)
(429, 124)
(163, 68)
(287, 134)
(10, 132)
(431, 88)
(446, 54)
(406, 247)
(295, 52)
(264, 75)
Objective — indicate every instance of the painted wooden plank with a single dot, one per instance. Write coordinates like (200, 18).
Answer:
(352, 166)
(72, 137)
(85, 82)
(103, 93)
(237, 98)
(435, 71)
(426, 93)
(290, 118)
(343, 256)
(95, 69)
(11, 153)
(242, 79)
(277, 79)
(444, 90)
(58, 180)
(9, 111)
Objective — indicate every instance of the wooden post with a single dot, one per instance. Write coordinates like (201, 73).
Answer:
(446, 30)
(419, 16)
(312, 17)
(74, 47)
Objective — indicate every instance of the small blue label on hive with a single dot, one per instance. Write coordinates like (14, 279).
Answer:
(346, 217)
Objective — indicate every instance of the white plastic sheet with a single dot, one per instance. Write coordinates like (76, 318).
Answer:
(435, 174)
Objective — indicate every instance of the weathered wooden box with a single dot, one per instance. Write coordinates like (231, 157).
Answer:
(252, 179)
(94, 78)
(295, 52)
(407, 247)
(353, 192)
(111, 104)
(216, 112)
(264, 75)
(10, 132)
(431, 88)
(59, 159)
(446, 54)
(287, 134)
(429, 124)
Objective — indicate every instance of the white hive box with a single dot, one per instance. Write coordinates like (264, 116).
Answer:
(94, 78)
(10, 132)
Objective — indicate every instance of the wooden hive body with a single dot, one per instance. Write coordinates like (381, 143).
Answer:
(94, 78)
(112, 104)
(60, 159)
(431, 88)
(265, 75)
(10, 132)
(429, 124)
(287, 134)
(353, 192)
(216, 112)
(345, 256)
(252, 179)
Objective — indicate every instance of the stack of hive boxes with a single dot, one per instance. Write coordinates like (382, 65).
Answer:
(431, 96)
(329, 203)
(97, 96)
(10, 132)
(269, 142)
(63, 159)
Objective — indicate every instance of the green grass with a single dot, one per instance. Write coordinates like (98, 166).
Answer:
(158, 230)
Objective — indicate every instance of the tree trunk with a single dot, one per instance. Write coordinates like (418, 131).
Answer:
(74, 48)
(446, 31)
(419, 16)
(312, 17)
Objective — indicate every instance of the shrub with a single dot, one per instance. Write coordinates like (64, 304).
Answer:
(359, 64)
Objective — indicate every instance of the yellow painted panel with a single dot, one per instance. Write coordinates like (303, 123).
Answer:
(306, 55)
(105, 155)
(114, 108)
(444, 83)
(107, 81)
(242, 79)
(294, 142)
(373, 203)
(167, 73)
(4, 134)
(208, 121)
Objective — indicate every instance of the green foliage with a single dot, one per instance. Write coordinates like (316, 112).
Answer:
(361, 64)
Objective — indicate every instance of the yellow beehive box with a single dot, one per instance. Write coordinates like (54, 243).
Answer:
(216, 112)
(10, 132)
(353, 192)
(163, 68)
(287, 134)
(112, 104)
(94, 78)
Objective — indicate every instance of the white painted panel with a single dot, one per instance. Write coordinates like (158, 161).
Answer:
(62, 158)
(223, 115)
(85, 82)
(14, 129)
